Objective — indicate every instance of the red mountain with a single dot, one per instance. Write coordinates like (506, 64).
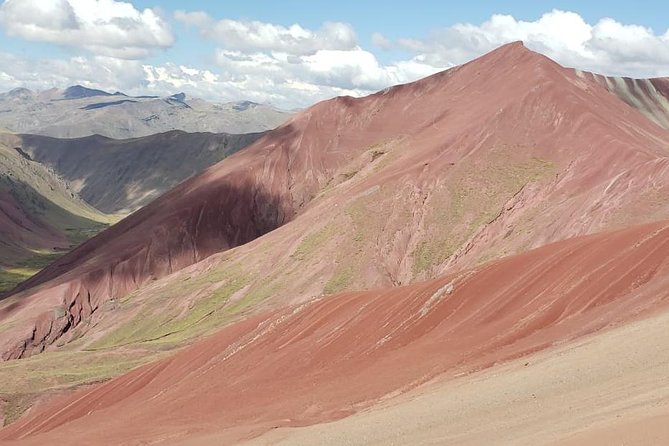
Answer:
(505, 153)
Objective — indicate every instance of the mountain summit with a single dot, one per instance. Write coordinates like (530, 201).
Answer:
(80, 92)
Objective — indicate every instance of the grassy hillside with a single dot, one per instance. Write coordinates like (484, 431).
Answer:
(121, 176)
(40, 216)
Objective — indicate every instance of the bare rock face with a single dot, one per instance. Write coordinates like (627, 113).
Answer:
(507, 152)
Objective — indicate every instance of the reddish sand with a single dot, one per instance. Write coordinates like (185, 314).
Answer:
(610, 160)
(326, 359)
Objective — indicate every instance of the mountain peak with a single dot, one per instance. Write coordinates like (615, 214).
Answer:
(180, 97)
(20, 93)
(512, 50)
(516, 45)
(79, 92)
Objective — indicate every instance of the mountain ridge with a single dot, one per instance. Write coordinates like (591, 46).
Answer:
(121, 176)
(484, 153)
(79, 111)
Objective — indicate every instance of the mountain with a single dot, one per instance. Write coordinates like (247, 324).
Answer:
(450, 171)
(40, 216)
(431, 181)
(80, 92)
(78, 111)
(120, 176)
(325, 359)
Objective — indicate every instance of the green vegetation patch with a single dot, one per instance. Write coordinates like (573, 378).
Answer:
(341, 280)
(312, 242)
(25, 269)
(173, 324)
(23, 381)
(472, 198)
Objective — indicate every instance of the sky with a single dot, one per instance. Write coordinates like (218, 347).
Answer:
(293, 53)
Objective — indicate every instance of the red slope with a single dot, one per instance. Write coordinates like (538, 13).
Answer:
(510, 97)
(327, 358)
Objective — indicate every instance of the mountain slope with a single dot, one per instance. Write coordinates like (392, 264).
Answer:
(78, 111)
(612, 383)
(330, 357)
(40, 217)
(461, 167)
(650, 96)
(120, 176)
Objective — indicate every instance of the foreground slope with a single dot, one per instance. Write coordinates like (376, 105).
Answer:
(40, 217)
(79, 111)
(330, 357)
(602, 390)
(505, 153)
(121, 176)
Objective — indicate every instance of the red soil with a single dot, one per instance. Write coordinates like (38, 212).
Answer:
(607, 155)
(330, 357)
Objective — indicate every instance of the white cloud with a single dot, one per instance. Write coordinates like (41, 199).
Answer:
(95, 71)
(608, 47)
(103, 27)
(251, 35)
(381, 41)
(292, 66)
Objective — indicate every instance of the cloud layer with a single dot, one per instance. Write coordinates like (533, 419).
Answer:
(102, 27)
(608, 47)
(249, 35)
(293, 66)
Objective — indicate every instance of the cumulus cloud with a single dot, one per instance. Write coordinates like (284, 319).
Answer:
(293, 66)
(250, 35)
(381, 41)
(96, 71)
(103, 27)
(608, 47)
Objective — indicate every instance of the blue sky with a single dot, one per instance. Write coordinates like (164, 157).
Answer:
(249, 50)
(416, 18)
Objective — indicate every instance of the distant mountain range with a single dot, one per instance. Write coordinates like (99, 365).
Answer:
(78, 111)
(121, 175)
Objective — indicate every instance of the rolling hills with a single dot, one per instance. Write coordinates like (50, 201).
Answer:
(466, 173)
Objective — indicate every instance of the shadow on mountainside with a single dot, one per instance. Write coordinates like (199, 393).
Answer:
(123, 175)
(34, 231)
(225, 206)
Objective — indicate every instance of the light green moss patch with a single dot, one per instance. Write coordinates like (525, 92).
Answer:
(470, 199)
(312, 242)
